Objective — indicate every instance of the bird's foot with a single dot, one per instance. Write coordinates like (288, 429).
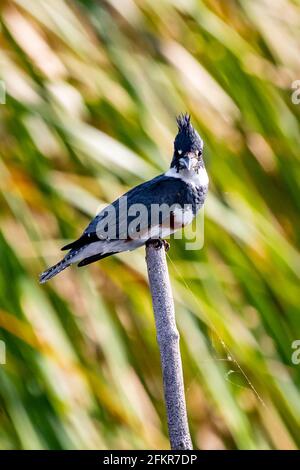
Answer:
(159, 243)
(166, 245)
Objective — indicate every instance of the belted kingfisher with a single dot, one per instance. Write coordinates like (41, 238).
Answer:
(178, 195)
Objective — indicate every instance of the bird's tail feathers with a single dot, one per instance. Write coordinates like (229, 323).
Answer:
(57, 268)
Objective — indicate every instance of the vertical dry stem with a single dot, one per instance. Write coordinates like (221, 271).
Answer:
(168, 341)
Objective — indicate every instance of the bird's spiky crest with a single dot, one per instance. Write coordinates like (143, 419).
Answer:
(185, 127)
(187, 137)
(184, 123)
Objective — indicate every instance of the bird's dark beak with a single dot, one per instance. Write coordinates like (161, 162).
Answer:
(186, 162)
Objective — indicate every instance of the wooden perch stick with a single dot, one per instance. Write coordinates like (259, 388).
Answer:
(168, 341)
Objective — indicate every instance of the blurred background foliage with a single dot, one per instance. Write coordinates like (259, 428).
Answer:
(92, 91)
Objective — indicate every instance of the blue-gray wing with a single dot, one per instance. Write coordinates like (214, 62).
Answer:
(114, 220)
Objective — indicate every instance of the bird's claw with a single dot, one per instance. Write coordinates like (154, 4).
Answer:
(159, 243)
(166, 245)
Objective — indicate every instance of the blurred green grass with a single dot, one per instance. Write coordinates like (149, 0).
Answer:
(92, 91)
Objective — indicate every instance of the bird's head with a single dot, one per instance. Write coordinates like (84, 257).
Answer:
(188, 147)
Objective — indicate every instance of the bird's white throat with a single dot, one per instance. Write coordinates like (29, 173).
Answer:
(191, 177)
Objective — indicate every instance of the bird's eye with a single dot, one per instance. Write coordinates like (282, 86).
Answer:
(179, 152)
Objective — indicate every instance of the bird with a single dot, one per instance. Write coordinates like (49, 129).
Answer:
(131, 221)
